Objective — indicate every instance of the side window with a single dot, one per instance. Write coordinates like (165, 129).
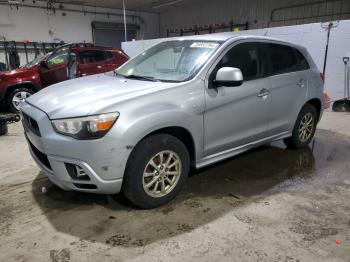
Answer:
(265, 67)
(243, 56)
(303, 64)
(108, 55)
(91, 56)
(59, 57)
(283, 59)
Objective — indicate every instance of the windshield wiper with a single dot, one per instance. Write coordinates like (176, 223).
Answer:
(147, 78)
(169, 81)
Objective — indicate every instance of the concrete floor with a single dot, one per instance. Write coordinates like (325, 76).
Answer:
(271, 204)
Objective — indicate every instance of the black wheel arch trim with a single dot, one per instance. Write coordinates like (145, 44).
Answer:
(5, 92)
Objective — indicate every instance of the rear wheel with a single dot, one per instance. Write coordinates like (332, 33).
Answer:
(156, 171)
(304, 128)
(17, 96)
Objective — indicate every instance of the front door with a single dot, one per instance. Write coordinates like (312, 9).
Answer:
(237, 115)
(56, 69)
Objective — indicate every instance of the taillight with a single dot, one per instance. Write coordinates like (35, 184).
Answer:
(322, 77)
(326, 100)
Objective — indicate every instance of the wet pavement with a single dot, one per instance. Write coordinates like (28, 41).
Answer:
(269, 204)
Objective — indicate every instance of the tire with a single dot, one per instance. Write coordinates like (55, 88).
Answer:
(20, 92)
(135, 183)
(3, 129)
(302, 135)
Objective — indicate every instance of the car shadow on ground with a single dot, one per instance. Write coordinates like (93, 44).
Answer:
(209, 194)
(3, 110)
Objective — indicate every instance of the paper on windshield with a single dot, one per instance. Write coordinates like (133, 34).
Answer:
(204, 45)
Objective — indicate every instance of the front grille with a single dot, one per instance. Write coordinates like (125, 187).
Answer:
(31, 124)
(41, 156)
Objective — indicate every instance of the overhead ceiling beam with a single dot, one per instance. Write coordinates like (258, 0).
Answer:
(94, 6)
(165, 3)
(73, 10)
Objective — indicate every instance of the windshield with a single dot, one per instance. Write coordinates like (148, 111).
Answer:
(35, 61)
(172, 61)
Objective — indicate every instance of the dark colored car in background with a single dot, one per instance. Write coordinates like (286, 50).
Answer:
(65, 62)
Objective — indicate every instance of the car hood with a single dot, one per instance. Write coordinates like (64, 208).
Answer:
(15, 73)
(90, 95)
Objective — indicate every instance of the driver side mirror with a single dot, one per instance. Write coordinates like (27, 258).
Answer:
(228, 76)
(44, 64)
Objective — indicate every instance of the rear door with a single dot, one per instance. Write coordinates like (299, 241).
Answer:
(111, 63)
(57, 67)
(289, 83)
(93, 62)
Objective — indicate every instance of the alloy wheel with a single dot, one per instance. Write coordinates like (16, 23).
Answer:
(306, 127)
(162, 173)
(18, 98)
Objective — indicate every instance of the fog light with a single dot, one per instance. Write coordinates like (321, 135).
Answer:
(76, 172)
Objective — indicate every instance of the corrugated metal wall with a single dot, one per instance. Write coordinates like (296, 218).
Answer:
(256, 12)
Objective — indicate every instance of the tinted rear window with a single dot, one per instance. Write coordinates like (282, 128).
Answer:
(108, 55)
(91, 56)
(283, 59)
(303, 64)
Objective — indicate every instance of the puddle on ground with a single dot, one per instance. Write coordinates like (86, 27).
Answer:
(208, 194)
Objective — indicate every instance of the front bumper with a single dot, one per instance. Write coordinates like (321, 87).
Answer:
(59, 176)
(102, 161)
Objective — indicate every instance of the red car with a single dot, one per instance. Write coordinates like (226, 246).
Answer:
(65, 62)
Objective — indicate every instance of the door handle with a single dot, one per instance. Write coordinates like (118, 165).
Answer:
(301, 83)
(263, 93)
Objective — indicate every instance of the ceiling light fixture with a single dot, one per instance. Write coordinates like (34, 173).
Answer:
(159, 4)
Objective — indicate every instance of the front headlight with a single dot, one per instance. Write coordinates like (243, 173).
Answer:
(90, 127)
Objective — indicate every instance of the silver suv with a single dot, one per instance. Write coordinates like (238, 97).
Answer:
(186, 102)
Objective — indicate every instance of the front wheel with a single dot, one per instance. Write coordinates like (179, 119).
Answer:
(156, 171)
(304, 128)
(16, 97)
